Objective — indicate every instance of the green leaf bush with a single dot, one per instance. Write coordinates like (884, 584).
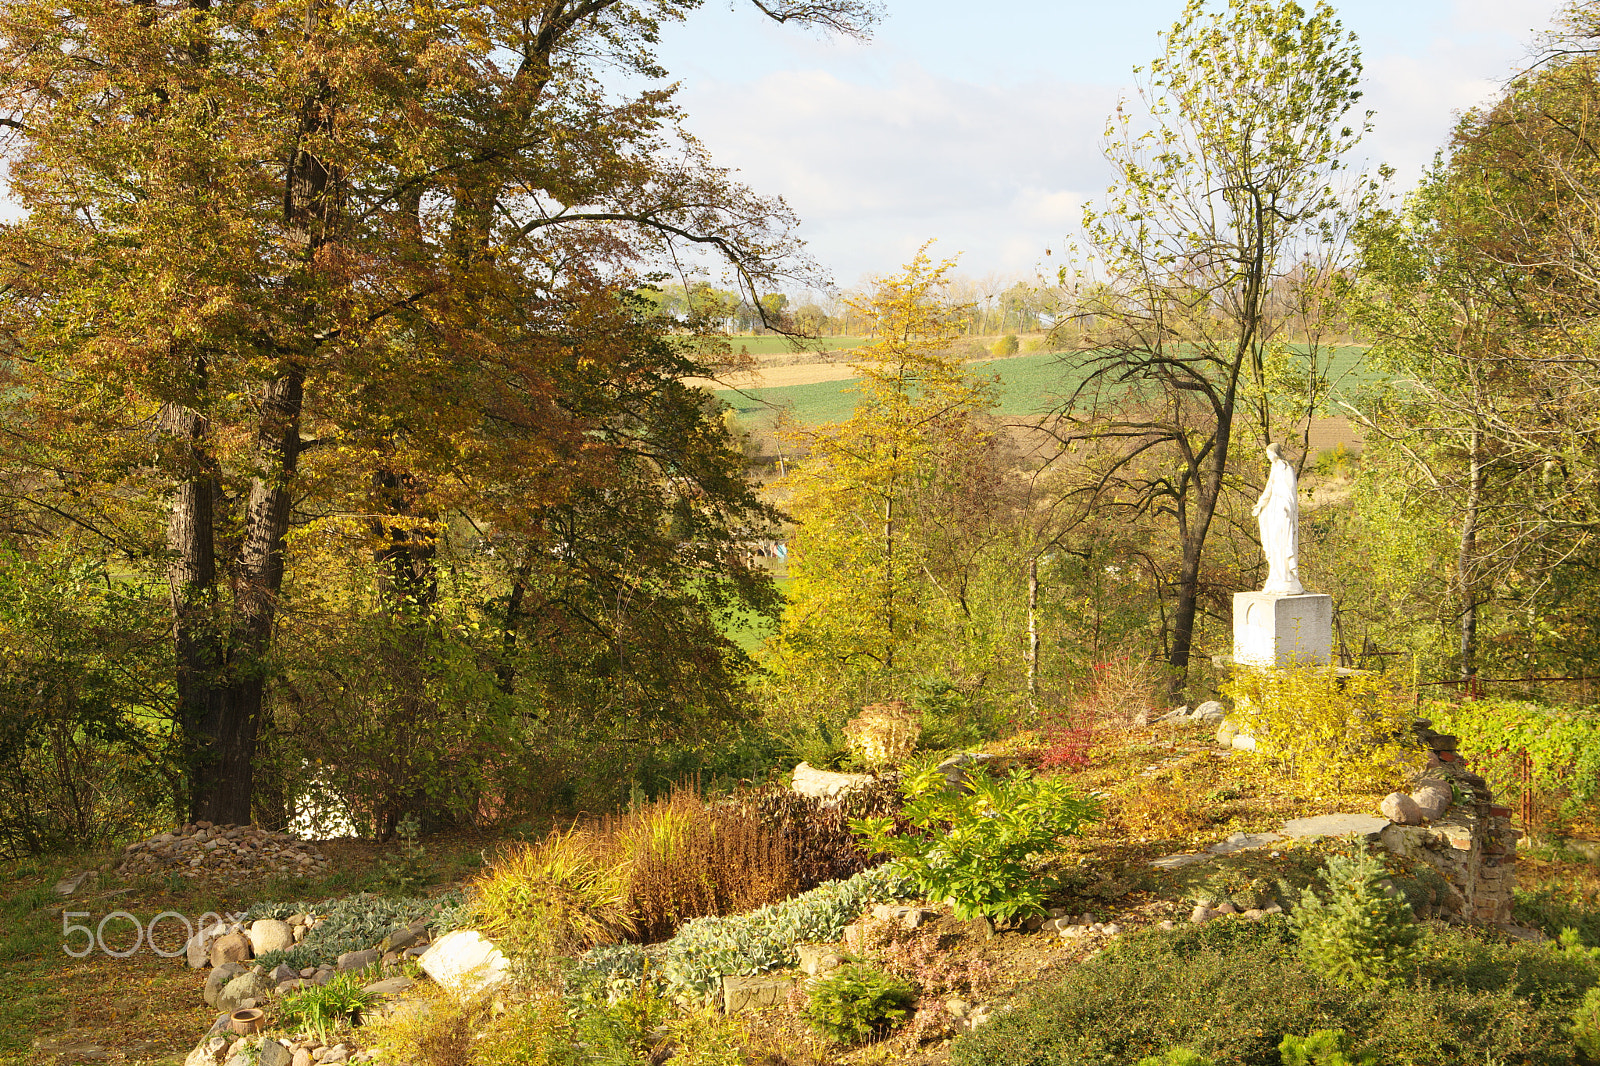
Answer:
(979, 850)
(857, 1002)
(1325, 1047)
(1359, 935)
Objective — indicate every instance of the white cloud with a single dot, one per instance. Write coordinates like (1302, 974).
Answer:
(874, 170)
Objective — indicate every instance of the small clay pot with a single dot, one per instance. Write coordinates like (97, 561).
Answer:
(247, 1020)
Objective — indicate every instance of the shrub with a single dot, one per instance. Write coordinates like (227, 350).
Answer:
(1562, 744)
(694, 962)
(1585, 1028)
(858, 1001)
(1178, 1056)
(441, 1030)
(553, 898)
(1329, 731)
(884, 734)
(1360, 935)
(1231, 990)
(686, 860)
(817, 836)
(1005, 346)
(977, 850)
(1325, 1047)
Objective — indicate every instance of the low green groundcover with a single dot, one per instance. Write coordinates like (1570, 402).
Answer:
(1231, 990)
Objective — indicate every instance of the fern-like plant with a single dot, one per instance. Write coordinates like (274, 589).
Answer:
(1359, 935)
(1325, 1047)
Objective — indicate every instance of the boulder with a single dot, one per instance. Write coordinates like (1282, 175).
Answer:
(358, 960)
(269, 934)
(246, 986)
(818, 958)
(198, 949)
(1335, 825)
(465, 963)
(1209, 711)
(208, 1052)
(955, 768)
(389, 986)
(281, 973)
(234, 947)
(1401, 809)
(1432, 797)
(750, 993)
(826, 785)
(218, 979)
(274, 1054)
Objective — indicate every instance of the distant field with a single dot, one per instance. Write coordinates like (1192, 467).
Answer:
(1028, 385)
(773, 344)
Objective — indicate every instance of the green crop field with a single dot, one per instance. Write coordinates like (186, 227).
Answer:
(774, 344)
(1026, 385)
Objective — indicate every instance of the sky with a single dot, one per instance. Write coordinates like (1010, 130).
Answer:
(980, 124)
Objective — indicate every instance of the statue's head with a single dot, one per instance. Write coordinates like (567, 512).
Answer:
(1275, 453)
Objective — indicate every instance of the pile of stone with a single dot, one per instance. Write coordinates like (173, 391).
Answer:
(304, 1050)
(234, 983)
(222, 851)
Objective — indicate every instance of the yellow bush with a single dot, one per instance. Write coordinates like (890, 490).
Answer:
(556, 897)
(884, 734)
(439, 1030)
(1331, 731)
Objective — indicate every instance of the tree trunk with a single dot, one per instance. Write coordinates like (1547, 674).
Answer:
(1033, 626)
(1466, 562)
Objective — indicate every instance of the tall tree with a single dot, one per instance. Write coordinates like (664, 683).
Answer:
(1229, 188)
(307, 257)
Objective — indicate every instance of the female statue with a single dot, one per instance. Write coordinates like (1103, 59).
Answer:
(1279, 512)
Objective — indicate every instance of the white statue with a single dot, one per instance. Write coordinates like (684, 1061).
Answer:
(1279, 512)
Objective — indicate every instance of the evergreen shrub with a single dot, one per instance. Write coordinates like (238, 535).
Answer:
(1359, 935)
(859, 1001)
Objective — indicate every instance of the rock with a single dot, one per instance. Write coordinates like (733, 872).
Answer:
(1177, 714)
(1432, 797)
(274, 1054)
(1166, 923)
(753, 993)
(210, 1051)
(1178, 862)
(246, 986)
(1243, 842)
(1227, 906)
(956, 766)
(1111, 929)
(958, 1008)
(198, 949)
(465, 963)
(218, 979)
(309, 971)
(72, 882)
(1225, 734)
(818, 958)
(1209, 711)
(294, 984)
(233, 947)
(826, 785)
(979, 1017)
(358, 960)
(1335, 825)
(269, 934)
(1243, 742)
(402, 937)
(1201, 913)
(281, 973)
(302, 1057)
(1401, 809)
(389, 986)
(910, 917)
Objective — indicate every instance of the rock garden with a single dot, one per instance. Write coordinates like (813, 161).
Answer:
(1168, 894)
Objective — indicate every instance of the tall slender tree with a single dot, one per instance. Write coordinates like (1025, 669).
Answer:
(1229, 188)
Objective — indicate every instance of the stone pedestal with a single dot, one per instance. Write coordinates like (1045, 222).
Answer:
(1273, 629)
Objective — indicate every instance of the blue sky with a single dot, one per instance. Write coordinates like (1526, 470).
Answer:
(980, 125)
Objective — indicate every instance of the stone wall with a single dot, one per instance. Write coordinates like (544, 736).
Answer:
(1471, 845)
